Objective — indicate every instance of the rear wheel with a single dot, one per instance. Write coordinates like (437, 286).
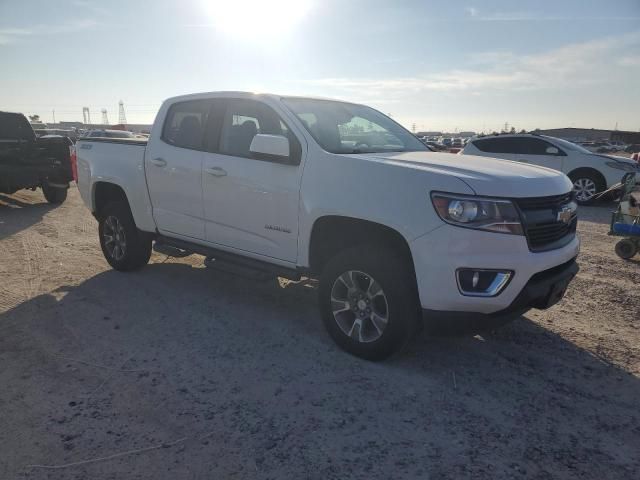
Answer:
(586, 185)
(369, 301)
(626, 248)
(54, 195)
(123, 245)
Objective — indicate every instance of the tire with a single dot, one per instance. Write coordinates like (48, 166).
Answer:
(123, 245)
(54, 195)
(626, 248)
(380, 310)
(586, 184)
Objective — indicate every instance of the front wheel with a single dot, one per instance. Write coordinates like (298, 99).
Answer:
(123, 245)
(369, 301)
(54, 195)
(586, 186)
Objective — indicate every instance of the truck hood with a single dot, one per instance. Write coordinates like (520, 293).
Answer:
(484, 175)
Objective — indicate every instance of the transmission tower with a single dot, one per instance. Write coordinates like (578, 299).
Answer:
(105, 119)
(86, 116)
(122, 119)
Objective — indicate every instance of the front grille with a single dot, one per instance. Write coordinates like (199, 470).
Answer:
(543, 235)
(540, 203)
(540, 220)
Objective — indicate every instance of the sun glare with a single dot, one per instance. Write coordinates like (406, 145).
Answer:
(254, 19)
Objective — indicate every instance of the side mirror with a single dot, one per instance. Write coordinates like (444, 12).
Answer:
(552, 151)
(274, 148)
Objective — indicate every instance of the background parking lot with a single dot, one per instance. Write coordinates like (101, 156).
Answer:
(193, 373)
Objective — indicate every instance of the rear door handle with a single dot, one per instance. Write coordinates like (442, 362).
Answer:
(216, 171)
(158, 162)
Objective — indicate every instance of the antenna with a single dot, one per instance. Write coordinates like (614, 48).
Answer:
(122, 119)
(86, 115)
(105, 119)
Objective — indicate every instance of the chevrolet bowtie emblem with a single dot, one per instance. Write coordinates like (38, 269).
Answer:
(565, 214)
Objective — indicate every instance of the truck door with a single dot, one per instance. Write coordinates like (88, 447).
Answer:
(173, 166)
(250, 205)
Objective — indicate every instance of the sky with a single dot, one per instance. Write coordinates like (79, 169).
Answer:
(436, 64)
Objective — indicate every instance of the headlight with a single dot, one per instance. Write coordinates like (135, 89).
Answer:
(627, 167)
(493, 215)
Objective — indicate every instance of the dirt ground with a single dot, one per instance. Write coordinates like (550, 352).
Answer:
(180, 372)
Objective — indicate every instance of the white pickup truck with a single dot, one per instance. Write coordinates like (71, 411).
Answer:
(398, 236)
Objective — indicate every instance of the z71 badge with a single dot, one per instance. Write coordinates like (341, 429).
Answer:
(277, 228)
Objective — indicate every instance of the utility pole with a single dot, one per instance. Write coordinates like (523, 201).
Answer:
(54, 115)
(122, 119)
(105, 119)
(86, 115)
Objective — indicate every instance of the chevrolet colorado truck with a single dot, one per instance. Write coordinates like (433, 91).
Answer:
(30, 162)
(397, 235)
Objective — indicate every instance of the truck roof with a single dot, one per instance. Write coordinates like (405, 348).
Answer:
(231, 93)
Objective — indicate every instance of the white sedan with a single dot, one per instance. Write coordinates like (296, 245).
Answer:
(591, 173)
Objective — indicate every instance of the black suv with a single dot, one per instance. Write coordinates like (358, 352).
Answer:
(30, 162)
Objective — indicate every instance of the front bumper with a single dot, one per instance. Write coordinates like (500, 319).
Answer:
(543, 290)
(437, 256)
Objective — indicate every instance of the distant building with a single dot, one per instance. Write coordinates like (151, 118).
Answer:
(591, 134)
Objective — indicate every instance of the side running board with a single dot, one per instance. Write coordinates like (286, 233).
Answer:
(224, 261)
(170, 250)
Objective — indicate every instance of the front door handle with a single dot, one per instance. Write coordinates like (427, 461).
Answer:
(216, 171)
(158, 162)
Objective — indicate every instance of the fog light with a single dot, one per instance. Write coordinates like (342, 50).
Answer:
(482, 283)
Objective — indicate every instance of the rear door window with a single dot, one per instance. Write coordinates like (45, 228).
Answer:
(185, 124)
(498, 145)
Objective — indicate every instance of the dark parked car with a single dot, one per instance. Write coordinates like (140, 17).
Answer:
(30, 162)
(435, 146)
(633, 148)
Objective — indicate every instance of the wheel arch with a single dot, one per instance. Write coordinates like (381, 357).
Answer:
(105, 192)
(574, 174)
(331, 234)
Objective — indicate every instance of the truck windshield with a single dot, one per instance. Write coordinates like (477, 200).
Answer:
(348, 128)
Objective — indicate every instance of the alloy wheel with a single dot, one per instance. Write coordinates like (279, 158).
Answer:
(115, 241)
(359, 306)
(585, 189)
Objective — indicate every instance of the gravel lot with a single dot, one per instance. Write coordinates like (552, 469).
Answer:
(213, 376)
